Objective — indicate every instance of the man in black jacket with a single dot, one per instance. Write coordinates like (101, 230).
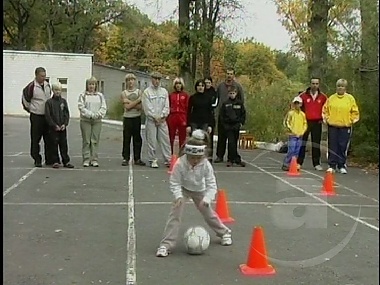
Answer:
(232, 115)
(57, 116)
(222, 95)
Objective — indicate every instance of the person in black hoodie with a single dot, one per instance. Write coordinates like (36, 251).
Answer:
(211, 92)
(200, 111)
(233, 117)
(57, 116)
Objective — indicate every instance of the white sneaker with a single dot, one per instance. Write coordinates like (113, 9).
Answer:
(318, 167)
(343, 170)
(162, 252)
(330, 169)
(226, 239)
(86, 164)
(154, 164)
(95, 163)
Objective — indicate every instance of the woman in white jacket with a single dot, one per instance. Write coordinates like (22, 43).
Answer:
(193, 177)
(92, 107)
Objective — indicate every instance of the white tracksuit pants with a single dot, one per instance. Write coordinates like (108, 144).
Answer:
(157, 135)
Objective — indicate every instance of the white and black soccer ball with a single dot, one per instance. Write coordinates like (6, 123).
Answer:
(197, 240)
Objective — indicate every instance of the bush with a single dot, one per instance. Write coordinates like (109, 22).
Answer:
(365, 148)
(267, 108)
(115, 110)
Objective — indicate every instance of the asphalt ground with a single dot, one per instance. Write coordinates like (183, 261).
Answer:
(103, 225)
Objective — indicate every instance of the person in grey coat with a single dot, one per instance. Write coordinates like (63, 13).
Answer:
(155, 102)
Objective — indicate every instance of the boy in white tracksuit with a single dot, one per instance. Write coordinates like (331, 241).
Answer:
(193, 177)
(155, 102)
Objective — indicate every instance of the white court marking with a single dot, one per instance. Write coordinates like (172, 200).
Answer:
(155, 203)
(317, 198)
(124, 169)
(14, 154)
(18, 182)
(340, 185)
(131, 233)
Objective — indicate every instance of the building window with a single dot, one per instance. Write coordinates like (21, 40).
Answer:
(101, 86)
(146, 84)
(123, 86)
(63, 82)
(139, 84)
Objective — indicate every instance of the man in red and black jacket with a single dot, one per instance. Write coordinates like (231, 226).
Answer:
(312, 102)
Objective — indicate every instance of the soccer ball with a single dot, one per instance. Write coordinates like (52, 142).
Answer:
(197, 240)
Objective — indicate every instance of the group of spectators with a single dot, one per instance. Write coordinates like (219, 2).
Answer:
(178, 113)
(309, 111)
(166, 115)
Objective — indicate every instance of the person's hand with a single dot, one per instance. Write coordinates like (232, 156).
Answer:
(178, 202)
(57, 128)
(63, 127)
(209, 130)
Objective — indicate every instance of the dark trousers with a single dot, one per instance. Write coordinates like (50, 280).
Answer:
(39, 128)
(338, 143)
(222, 140)
(315, 129)
(294, 145)
(211, 152)
(59, 141)
(232, 138)
(132, 131)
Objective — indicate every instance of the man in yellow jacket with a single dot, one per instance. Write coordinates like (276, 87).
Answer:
(340, 112)
(296, 125)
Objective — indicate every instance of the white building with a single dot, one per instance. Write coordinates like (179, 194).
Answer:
(70, 69)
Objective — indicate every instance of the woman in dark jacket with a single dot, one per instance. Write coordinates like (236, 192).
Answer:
(200, 111)
(211, 92)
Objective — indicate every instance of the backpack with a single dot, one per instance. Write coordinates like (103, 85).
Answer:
(27, 94)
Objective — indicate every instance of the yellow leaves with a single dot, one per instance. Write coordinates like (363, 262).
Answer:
(295, 15)
(258, 62)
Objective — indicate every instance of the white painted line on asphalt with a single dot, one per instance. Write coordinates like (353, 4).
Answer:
(66, 204)
(317, 198)
(72, 156)
(236, 171)
(336, 194)
(155, 203)
(131, 233)
(17, 168)
(18, 182)
(340, 185)
(369, 218)
(14, 154)
(271, 167)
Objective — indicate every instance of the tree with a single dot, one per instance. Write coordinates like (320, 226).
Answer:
(369, 70)
(318, 31)
(214, 13)
(17, 16)
(184, 58)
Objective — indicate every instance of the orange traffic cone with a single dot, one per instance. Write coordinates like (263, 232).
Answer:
(328, 185)
(172, 162)
(257, 263)
(221, 208)
(293, 171)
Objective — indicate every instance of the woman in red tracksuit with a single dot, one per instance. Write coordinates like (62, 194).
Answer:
(177, 119)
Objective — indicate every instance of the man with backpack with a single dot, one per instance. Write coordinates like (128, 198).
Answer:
(34, 97)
